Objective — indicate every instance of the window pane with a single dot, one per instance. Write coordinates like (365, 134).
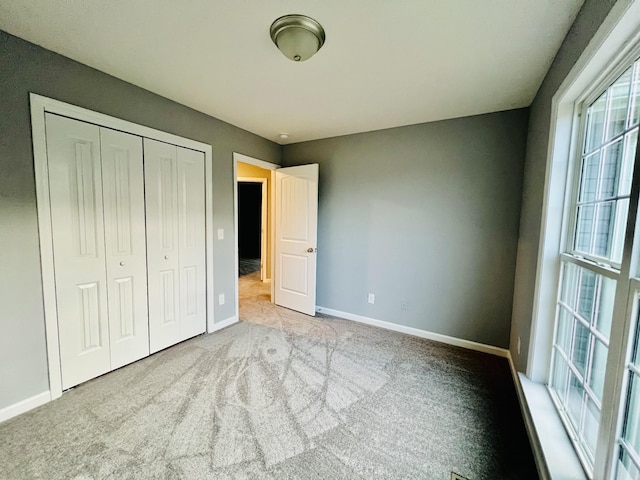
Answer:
(604, 228)
(632, 421)
(630, 143)
(636, 353)
(634, 112)
(598, 367)
(611, 168)
(620, 222)
(595, 123)
(589, 177)
(569, 284)
(605, 306)
(626, 468)
(575, 400)
(586, 294)
(580, 347)
(565, 325)
(618, 104)
(584, 228)
(591, 422)
(559, 377)
(600, 229)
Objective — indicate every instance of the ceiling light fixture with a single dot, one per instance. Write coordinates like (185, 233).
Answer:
(284, 136)
(298, 37)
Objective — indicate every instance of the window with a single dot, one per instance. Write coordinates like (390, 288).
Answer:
(580, 350)
(592, 266)
(628, 461)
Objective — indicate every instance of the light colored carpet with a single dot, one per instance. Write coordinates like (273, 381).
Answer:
(282, 396)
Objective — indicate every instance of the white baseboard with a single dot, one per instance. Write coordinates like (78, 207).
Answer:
(223, 324)
(458, 342)
(24, 405)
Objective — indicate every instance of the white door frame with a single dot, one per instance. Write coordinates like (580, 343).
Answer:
(239, 157)
(263, 222)
(41, 105)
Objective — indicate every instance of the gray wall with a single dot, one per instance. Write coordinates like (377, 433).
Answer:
(585, 26)
(426, 213)
(25, 68)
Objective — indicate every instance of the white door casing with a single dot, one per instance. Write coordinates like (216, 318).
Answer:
(296, 236)
(174, 180)
(125, 246)
(75, 181)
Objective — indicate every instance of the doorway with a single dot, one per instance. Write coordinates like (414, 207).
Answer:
(252, 226)
(254, 230)
(291, 233)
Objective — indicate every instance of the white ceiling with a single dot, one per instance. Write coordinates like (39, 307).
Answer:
(384, 64)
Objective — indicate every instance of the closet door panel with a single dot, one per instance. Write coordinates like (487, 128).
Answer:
(191, 234)
(125, 246)
(75, 183)
(161, 203)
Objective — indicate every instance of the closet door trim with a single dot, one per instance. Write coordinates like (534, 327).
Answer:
(41, 105)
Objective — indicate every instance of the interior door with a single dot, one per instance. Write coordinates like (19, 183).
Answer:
(174, 192)
(191, 237)
(75, 189)
(125, 246)
(296, 235)
(161, 194)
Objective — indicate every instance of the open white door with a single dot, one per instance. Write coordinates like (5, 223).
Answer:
(296, 234)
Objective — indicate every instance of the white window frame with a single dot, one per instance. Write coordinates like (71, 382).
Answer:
(615, 40)
(612, 405)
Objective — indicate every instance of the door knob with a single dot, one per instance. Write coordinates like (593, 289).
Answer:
(166, 257)
(310, 250)
(122, 263)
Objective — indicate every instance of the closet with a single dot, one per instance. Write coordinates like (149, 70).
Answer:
(128, 238)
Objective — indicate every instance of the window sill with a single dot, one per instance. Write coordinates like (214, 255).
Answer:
(552, 448)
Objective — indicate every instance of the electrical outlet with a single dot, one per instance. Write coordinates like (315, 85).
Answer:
(518, 345)
(221, 299)
(221, 234)
(371, 298)
(404, 305)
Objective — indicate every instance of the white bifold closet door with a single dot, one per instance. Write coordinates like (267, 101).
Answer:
(175, 206)
(125, 246)
(97, 212)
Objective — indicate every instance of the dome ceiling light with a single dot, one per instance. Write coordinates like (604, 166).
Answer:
(298, 37)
